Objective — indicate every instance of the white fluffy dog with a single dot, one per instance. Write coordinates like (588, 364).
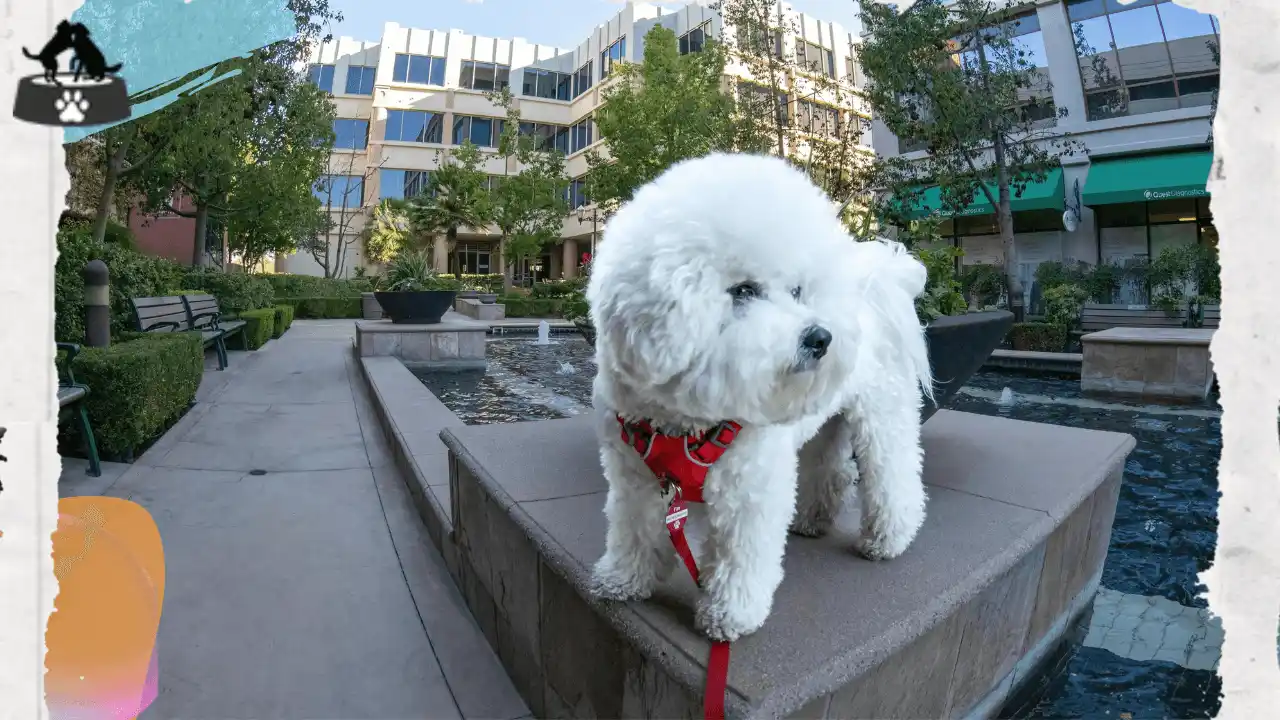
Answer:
(729, 290)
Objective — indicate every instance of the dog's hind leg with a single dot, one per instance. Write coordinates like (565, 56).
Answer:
(638, 553)
(827, 470)
(891, 494)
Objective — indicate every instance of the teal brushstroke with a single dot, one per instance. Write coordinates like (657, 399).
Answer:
(162, 40)
(147, 107)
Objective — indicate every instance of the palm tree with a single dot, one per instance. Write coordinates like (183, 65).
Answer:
(455, 197)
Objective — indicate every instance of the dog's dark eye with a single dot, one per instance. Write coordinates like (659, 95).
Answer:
(744, 291)
(795, 292)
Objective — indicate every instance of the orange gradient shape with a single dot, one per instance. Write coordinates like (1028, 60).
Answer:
(101, 637)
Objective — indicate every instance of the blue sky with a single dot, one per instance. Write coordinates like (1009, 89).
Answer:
(560, 23)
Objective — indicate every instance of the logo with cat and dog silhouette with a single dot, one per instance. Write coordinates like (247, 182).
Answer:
(87, 92)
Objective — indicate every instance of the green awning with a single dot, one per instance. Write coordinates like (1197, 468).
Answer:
(1047, 195)
(1151, 177)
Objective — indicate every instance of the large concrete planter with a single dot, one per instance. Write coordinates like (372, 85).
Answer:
(370, 309)
(958, 346)
(423, 307)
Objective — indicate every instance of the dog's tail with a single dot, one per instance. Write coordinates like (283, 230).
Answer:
(28, 54)
(113, 68)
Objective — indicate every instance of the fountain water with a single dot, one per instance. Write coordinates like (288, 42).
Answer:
(566, 369)
(544, 333)
(1006, 397)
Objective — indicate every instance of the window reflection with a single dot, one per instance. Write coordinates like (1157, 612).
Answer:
(1147, 56)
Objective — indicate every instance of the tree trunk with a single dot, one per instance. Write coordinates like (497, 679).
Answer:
(451, 240)
(115, 165)
(508, 267)
(199, 257)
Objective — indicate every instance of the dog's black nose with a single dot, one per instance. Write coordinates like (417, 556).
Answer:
(815, 341)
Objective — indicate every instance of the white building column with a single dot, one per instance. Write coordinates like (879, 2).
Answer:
(569, 262)
(1064, 65)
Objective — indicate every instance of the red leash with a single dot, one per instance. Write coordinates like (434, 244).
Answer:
(681, 463)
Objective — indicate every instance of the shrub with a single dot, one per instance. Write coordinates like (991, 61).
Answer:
(309, 286)
(983, 283)
(131, 275)
(524, 307)
(139, 387)
(284, 318)
(236, 292)
(554, 289)
(941, 296)
(1063, 304)
(323, 308)
(491, 283)
(1103, 282)
(1038, 337)
(1052, 274)
(259, 327)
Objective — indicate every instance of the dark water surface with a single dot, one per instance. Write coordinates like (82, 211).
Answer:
(1164, 534)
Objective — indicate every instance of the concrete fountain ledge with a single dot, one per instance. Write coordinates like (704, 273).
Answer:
(1019, 521)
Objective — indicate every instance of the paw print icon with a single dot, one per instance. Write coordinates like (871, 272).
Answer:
(72, 107)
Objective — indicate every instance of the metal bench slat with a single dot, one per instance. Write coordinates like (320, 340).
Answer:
(68, 394)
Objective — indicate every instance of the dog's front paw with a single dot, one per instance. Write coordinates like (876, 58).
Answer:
(609, 582)
(720, 621)
(874, 545)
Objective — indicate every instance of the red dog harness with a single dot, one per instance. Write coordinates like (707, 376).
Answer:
(681, 464)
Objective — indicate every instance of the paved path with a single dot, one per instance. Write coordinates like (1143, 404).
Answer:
(310, 591)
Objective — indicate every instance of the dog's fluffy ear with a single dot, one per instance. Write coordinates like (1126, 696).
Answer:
(897, 266)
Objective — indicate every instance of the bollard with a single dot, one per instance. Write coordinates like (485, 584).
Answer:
(97, 305)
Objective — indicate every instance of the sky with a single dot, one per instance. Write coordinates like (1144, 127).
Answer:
(559, 23)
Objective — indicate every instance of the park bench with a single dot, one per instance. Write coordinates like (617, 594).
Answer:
(71, 395)
(186, 313)
(1095, 317)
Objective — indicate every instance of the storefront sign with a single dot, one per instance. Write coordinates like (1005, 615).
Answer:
(1171, 194)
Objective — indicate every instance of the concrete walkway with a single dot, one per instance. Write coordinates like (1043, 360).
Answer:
(310, 591)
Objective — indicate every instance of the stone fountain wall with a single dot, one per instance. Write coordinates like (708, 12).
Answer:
(455, 343)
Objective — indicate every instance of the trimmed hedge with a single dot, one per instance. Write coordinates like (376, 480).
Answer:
(326, 308)
(525, 307)
(138, 388)
(554, 289)
(236, 292)
(260, 326)
(1038, 337)
(309, 286)
(132, 275)
(284, 318)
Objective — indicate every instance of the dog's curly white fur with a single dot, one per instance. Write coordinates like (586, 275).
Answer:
(728, 289)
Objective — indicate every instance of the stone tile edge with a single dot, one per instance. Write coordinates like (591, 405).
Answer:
(403, 454)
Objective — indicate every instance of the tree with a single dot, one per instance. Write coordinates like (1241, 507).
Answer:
(794, 105)
(387, 235)
(529, 207)
(953, 78)
(455, 197)
(667, 109)
(342, 206)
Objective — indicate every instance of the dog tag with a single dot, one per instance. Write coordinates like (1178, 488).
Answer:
(676, 514)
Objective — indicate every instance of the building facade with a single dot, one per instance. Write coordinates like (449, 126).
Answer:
(1137, 83)
(405, 101)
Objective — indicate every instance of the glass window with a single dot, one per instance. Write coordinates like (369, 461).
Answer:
(1122, 215)
(582, 79)
(322, 76)
(350, 134)
(415, 126)
(339, 191)
(696, 39)
(418, 69)
(581, 135)
(815, 58)
(611, 55)
(1173, 210)
(547, 84)
(1147, 56)
(480, 131)
(402, 184)
(484, 76)
(360, 80)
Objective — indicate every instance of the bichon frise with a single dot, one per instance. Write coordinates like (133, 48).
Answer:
(728, 290)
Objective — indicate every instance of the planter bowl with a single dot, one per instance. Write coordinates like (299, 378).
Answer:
(488, 298)
(417, 307)
(468, 294)
(958, 346)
